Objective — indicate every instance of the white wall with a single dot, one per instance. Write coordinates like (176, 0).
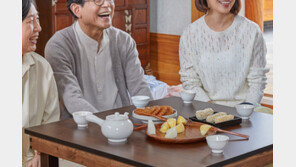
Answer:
(172, 16)
(169, 16)
(242, 11)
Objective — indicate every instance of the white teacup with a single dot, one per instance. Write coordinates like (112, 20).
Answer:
(217, 142)
(187, 96)
(140, 101)
(79, 118)
(245, 110)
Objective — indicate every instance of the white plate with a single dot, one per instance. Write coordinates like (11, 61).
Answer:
(145, 119)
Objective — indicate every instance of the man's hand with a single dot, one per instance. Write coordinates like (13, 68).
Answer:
(35, 162)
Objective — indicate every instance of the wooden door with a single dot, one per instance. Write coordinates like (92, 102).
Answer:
(254, 11)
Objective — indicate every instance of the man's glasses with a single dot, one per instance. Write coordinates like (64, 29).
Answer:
(100, 2)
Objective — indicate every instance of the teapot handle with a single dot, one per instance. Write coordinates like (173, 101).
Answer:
(94, 119)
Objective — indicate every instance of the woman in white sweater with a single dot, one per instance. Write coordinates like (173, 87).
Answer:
(222, 55)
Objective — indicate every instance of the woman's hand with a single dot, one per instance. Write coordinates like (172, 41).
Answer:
(35, 162)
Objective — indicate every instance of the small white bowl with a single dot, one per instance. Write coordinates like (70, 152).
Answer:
(217, 142)
(244, 110)
(187, 96)
(79, 118)
(140, 101)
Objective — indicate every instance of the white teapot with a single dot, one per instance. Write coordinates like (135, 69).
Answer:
(117, 127)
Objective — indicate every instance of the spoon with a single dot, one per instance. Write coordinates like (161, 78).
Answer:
(217, 129)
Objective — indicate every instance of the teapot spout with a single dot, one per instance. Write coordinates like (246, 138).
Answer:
(94, 119)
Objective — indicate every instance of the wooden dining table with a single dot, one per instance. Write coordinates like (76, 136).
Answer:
(88, 146)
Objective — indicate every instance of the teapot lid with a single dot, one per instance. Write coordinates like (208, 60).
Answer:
(117, 117)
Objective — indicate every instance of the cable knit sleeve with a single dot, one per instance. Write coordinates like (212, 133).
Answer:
(189, 77)
(257, 74)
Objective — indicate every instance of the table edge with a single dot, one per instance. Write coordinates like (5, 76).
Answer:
(136, 163)
(243, 156)
(89, 150)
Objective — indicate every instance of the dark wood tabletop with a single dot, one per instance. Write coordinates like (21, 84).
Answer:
(140, 150)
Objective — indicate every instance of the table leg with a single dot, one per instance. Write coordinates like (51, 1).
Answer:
(49, 161)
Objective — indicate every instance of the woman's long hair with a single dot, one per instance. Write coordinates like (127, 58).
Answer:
(26, 8)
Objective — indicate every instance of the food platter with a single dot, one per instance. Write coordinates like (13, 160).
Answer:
(235, 121)
(145, 119)
(191, 134)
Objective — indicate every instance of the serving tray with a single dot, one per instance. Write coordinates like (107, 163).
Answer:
(190, 135)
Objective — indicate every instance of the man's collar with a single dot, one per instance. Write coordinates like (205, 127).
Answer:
(27, 61)
(85, 39)
(88, 42)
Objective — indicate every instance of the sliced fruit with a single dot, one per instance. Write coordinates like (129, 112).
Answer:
(171, 133)
(204, 129)
(164, 127)
(151, 128)
(181, 120)
(172, 122)
(180, 128)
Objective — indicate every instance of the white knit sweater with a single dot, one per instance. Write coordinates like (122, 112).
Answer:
(225, 67)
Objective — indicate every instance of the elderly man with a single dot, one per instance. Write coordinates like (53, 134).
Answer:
(96, 66)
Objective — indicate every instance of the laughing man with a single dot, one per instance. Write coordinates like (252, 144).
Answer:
(96, 66)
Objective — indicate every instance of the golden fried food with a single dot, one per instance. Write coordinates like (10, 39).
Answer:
(155, 110)
(141, 111)
(150, 109)
(169, 110)
(162, 111)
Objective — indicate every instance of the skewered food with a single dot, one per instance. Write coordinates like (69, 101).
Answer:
(202, 114)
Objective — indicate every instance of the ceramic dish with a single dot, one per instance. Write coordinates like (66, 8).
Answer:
(145, 119)
(245, 110)
(187, 96)
(140, 101)
(217, 142)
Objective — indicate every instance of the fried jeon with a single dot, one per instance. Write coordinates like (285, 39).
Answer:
(163, 110)
(169, 110)
(150, 110)
(141, 111)
(155, 110)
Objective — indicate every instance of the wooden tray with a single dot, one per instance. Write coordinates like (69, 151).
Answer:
(236, 120)
(190, 135)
